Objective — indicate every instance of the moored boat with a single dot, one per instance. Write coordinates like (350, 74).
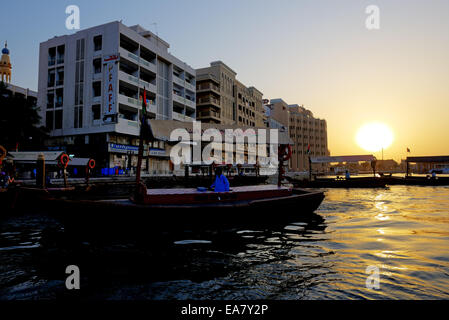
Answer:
(176, 208)
(364, 182)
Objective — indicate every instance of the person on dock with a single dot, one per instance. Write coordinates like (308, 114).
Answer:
(221, 183)
(9, 180)
(347, 174)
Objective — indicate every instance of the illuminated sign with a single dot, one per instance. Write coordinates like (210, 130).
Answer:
(110, 85)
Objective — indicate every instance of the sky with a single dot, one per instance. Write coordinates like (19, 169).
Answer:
(314, 53)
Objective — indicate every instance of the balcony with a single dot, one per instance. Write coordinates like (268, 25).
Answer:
(207, 101)
(179, 99)
(148, 86)
(135, 103)
(205, 87)
(127, 127)
(178, 80)
(190, 86)
(148, 65)
(122, 99)
(136, 59)
(123, 76)
(209, 115)
(191, 104)
(125, 53)
(128, 78)
(181, 117)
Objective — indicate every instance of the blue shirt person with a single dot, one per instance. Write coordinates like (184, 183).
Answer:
(221, 183)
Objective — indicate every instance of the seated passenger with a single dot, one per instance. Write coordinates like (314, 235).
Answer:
(221, 183)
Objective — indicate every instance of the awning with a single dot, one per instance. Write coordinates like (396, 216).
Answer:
(79, 162)
(162, 129)
(51, 157)
(343, 159)
(428, 159)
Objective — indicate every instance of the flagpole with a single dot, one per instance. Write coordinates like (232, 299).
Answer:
(140, 154)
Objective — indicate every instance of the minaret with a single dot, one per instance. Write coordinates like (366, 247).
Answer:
(5, 65)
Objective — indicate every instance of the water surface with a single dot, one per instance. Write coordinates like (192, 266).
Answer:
(403, 231)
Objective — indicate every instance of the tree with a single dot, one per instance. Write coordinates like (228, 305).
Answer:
(19, 122)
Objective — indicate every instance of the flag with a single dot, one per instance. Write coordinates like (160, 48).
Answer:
(408, 150)
(308, 149)
(144, 102)
(146, 129)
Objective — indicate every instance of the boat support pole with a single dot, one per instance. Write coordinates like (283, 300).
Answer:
(40, 171)
(310, 169)
(407, 169)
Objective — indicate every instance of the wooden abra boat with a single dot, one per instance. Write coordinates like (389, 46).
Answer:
(248, 196)
(162, 199)
(176, 207)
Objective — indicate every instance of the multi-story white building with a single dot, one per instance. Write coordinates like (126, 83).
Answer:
(90, 89)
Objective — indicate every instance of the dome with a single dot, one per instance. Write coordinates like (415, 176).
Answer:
(5, 49)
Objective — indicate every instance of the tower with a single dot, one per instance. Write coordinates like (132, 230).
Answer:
(5, 65)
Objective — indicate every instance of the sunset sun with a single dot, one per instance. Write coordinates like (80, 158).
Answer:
(374, 136)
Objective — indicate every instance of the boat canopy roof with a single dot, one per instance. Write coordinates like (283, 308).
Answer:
(428, 159)
(79, 162)
(51, 157)
(369, 157)
(162, 129)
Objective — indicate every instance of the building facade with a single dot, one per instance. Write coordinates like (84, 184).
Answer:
(90, 89)
(222, 99)
(309, 134)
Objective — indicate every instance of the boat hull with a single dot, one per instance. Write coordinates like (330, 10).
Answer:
(417, 181)
(125, 214)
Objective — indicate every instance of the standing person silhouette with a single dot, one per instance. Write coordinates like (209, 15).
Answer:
(221, 183)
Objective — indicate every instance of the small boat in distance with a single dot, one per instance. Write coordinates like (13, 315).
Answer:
(360, 182)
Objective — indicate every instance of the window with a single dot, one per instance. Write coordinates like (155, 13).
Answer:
(50, 99)
(96, 112)
(80, 49)
(78, 117)
(58, 119)
(51, 78)
(60, 76)
(59, 98)
(97, 66)
(49, 120)
(51, 56)
(96, 87)
(61, 52)
(79, 93)
(98, 43)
